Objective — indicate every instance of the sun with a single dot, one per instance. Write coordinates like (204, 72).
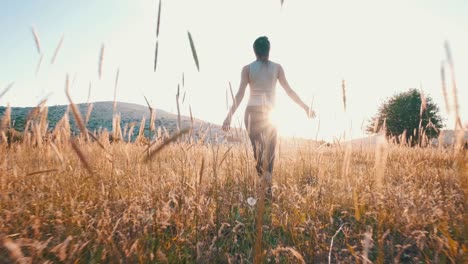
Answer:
(290, 121)
(274, 118)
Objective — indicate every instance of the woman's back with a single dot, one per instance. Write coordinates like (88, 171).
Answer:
(263, 76)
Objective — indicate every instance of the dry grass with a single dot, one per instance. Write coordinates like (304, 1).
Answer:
(75, 200)
(57, 50)
(189, 203)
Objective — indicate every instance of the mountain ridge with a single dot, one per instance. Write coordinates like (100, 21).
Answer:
(102, 115)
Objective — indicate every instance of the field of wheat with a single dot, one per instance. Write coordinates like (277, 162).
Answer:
(89, 201)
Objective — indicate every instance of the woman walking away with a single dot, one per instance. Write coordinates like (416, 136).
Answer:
(262, 76)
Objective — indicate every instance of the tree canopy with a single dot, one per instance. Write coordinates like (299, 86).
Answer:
(407, 116)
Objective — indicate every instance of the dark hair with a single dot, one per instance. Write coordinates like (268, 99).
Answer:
(261, 47)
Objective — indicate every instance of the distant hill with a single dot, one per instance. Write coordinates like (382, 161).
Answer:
(448, 139)
(102, 114)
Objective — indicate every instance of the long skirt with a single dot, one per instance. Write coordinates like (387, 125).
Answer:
(263, 136)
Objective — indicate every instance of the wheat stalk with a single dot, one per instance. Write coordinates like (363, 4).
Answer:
(41, 172)
(6, 89)
(156, 55)
(343, 90)
(194, 51)
(36, 39)
(159, 19)
(444, 87)
(191, 122)
(115, 89)
(6, 119)
(178, 109)
(39, 62)
(101, 61)
(88, 113)
(458, 124)
(59, 46)
(80, 155)
(76, 113)
(165, 144)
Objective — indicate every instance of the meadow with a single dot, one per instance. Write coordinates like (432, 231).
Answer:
(72, 200)
(95, 197)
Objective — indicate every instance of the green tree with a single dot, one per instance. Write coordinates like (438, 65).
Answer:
(405, 116)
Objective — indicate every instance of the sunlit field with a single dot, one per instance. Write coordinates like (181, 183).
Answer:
(195, 202)
(81, 183)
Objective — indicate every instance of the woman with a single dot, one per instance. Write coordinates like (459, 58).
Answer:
(262, 76)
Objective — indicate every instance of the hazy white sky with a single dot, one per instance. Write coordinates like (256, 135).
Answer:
(378, 47)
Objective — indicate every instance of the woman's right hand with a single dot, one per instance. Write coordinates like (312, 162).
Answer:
(310, 113)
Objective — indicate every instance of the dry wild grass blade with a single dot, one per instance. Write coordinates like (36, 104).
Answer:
(130, 132)
(343, 89)
(80, 155)
(227, 100)
(232, 95)
(88, 113)
(101, 60)
(159, 19)
(458, 124)
(34, 113)
(156, 55)
(7, 88)
(97, 140)
(331, 242)
(59, 46)
(6, 119)
(178, 109)
(43, 119)
(258, 246)
(152, 115)
(41, 172)
(233, 100)
(381, 154)
(183, 97)
(141, 130)
(147, 102)
(165, 143)
(89, 92)
(115, 89)
(191, 116)
(225, 155)
(290, 250)
(423, 103)
(200, 173)
(76, 113)
(191, 121)
(194, 51)
(13, 248)
(116, 128)
(36, 39)
(444, 87)
(38, 67)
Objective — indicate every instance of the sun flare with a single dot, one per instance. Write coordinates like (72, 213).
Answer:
(274, 119)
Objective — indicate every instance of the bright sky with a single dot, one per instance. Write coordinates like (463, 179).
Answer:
(378, 47)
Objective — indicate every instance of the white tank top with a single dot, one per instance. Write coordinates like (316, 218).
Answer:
(263, 76)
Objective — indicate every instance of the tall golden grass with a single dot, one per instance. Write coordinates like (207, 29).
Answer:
(75, 201)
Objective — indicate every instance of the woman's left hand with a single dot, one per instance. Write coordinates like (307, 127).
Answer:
(226, 124)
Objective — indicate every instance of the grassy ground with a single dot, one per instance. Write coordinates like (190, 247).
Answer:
(190, 204)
